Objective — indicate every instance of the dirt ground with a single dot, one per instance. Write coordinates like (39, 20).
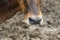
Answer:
(13, 29)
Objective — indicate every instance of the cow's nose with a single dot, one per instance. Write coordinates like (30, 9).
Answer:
(34, 20)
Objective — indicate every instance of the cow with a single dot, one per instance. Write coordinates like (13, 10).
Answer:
(30, 8)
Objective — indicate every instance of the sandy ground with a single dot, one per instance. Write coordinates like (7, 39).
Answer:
(13, 29)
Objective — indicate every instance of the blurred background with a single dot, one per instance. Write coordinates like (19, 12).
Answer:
(13, 29)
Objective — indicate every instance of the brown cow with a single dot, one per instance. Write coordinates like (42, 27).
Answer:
(30, 8)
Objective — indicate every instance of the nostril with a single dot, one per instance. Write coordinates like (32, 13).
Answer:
(31, 20)
(34, 21)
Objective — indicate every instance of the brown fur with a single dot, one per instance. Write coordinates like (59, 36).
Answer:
(7, 9)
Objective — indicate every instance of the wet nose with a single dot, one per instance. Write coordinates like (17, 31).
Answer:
(35, 20)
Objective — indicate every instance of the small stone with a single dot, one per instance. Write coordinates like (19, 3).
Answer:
(58, 36)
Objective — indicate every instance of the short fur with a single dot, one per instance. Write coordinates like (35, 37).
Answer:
(9, 7)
